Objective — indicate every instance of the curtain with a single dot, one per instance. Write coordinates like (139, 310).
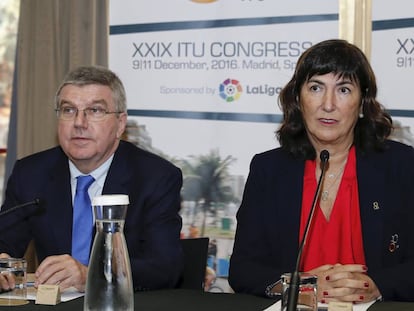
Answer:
(54, 36)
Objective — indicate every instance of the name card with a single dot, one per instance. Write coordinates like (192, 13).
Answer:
(48, 294)
(340, 306)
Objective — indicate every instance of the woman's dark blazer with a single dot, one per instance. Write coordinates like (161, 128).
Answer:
(267, 235)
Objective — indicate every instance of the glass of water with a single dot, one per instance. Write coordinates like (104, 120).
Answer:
(14, 268)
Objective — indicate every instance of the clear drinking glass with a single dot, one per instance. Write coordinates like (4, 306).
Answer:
(307, 297)
(16, 268)
(109, 283)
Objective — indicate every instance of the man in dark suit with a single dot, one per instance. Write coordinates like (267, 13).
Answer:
(91, 110)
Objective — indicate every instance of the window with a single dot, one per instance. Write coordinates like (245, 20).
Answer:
(9, 12)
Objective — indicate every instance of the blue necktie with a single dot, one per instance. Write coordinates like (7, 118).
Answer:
(82, 220)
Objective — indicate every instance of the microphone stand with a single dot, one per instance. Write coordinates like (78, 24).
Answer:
(12, 209)
(293, 291)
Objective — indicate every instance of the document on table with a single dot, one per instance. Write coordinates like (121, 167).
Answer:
(356, 307)
(66, 295)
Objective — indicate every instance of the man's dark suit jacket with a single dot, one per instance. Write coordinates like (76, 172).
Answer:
(267, 236)
(152, 225)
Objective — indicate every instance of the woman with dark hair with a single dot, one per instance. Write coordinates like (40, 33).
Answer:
(360, 243)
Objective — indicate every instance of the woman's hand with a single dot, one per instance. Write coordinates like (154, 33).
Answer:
(348, 283)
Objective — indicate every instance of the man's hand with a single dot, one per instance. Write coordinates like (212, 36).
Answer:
(7, 281)
(4, 255)
(62, 270)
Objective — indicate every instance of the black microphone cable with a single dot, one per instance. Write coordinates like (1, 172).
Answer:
(33, 202)
(293, 291)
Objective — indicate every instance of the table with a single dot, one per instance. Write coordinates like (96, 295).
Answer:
(190, 300)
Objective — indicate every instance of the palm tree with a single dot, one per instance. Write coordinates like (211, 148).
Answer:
(205, 181)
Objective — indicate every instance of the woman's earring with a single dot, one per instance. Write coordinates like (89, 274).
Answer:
(361, 111)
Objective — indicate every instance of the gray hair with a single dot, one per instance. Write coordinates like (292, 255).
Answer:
(86, 75)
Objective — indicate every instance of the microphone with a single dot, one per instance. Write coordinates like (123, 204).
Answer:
(293, 291)
(12, 209)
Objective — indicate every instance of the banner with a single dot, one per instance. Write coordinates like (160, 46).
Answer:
(202, 81)
(393, 62)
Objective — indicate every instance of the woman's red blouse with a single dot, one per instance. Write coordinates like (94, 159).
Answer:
(338, 240)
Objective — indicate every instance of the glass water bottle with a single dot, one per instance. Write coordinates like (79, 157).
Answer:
(109, 283)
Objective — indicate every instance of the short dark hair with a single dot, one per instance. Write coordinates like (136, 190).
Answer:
(345, 59)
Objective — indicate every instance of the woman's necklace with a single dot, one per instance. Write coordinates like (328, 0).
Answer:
(325, 192)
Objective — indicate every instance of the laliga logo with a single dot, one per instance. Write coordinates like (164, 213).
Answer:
(230, 90)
